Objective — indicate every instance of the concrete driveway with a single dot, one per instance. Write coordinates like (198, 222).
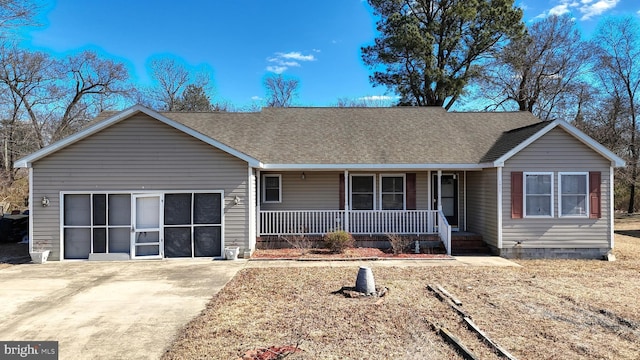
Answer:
(107, 310)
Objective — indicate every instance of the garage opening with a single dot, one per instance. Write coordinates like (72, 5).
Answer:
(143, 225)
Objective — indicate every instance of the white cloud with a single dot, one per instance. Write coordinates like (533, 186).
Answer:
(295, 55)
(283, 61)
(588, 8)
(277, 69)
(256, 98)
(378, 98)
(559, 10)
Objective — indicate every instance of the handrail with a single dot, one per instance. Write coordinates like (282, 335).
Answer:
(444, 230)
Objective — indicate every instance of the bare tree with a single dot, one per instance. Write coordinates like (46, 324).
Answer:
(372, 101)
(616, 46)
(88, 80)
(280, 90)
(540, 71)
(171, 78)
(29, 76)
(58, 95)
(17, 13)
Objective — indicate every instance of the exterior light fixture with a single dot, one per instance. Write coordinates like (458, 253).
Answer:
(302, 176)
(45, 201)
(236, 200)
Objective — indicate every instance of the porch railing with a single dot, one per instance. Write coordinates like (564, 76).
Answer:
(359, 222)
(297, 222)
(444, 230)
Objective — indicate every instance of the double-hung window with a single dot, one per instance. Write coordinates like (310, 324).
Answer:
(362, 192)
(573, 194)
(392, 192)
(538, 194)
(272, 188)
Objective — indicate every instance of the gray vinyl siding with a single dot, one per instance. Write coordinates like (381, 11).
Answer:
(321, 190)
(318, 191)
(557, 151)
(482, 204)
(139, 154)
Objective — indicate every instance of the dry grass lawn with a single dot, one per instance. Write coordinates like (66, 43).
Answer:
(551, 309)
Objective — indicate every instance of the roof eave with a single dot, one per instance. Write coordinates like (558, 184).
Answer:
(287, 167)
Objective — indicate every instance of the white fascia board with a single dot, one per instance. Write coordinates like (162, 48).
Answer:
(285, 167)
(582, 137)
(26, 161)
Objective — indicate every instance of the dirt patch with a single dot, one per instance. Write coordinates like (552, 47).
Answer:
(546, 309)
(351, 253)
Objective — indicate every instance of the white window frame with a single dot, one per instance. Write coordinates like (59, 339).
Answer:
(264, 189)
(524, 195)
(586, 195)
(373, 176)
(404, 190)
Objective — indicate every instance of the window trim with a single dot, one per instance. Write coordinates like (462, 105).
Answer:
(264, 189)
(525, 194)
(586, 195)
(373, 176)
(404, 191)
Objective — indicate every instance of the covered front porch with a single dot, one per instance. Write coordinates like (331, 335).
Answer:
(429, 204)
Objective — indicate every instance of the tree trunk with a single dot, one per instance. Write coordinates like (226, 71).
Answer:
(632, 185)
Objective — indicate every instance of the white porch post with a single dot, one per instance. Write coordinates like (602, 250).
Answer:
(464, 201)
(439, 189)
(346, 200)
(258, 201)
(429, 195)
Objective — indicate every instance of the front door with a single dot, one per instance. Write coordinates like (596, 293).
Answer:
(146, 228)
(449, 197)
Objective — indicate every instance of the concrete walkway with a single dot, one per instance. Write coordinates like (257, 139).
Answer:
(455, 261)
(107, 310)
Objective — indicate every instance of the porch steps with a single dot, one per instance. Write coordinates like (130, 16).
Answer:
(468, 244)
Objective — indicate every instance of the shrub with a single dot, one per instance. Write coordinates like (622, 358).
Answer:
(338, 241)
(299, 242)
(399, 243)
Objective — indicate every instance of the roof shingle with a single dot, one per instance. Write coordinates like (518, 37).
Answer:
(401, 135)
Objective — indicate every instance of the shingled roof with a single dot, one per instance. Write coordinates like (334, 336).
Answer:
(400, 135)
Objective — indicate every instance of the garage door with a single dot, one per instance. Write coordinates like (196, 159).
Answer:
(167, 224)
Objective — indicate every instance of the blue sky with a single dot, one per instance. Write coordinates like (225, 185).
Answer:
(241, 41)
